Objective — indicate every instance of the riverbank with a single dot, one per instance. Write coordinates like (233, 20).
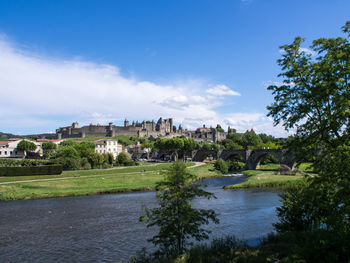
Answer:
(91, 182)
(266, 177)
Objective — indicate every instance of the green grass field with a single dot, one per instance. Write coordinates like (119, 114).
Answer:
(89, 182)
(266, 177)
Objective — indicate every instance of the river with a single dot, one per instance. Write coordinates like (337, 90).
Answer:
(105, 228)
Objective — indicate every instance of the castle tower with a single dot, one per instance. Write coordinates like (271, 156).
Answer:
(171, 125)
(126, 123)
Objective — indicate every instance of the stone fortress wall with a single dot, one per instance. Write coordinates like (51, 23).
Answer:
(161, 128)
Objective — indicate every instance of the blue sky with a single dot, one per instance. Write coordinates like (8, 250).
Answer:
(201, 62)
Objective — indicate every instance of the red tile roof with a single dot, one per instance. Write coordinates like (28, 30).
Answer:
(4, 143)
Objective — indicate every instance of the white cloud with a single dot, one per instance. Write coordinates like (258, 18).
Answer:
(222, 90)
(308, 51)
(302, 49)
(40, 94)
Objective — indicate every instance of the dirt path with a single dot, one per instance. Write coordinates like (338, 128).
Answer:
(196, 164)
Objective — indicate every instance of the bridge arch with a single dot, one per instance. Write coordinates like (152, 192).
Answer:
(256, 156)
(201, 155)
(229, 154)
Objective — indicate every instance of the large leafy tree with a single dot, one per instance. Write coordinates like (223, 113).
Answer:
(250, 138)
(315, 96)
(315, 101)
(25, 146)
(177, 220)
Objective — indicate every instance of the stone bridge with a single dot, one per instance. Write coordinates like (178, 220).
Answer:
(251, 158)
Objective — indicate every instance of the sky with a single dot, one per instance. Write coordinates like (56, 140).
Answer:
(197, 61)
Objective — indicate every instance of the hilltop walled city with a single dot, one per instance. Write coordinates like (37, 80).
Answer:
(161, 128)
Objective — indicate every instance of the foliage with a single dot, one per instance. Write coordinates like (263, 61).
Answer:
(221, 166)
(84, 148)
(49, 146)
(250, 138)
(268, 158)
(235, 137)
(235, 165)
(31, 170)
(65, 152)
(68, 143)
(177, 220)
(10, 162)
(124, 158)
(127, 140)
(25, 145)
(314, 97)
(314, 100)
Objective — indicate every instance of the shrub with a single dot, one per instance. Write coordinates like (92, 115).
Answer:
(31, 170)
(7, 162)
(221, 166)
(69, 163)
(235, 165)
(84, 163)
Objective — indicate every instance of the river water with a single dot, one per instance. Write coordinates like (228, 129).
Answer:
(105, 228)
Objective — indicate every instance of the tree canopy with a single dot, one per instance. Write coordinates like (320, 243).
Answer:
(25, 145)
(314, 98)
(315, 101)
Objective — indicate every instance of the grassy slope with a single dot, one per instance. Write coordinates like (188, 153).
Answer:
(89, 182)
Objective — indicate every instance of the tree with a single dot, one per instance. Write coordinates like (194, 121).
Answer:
(221, 166)
(315, 101)
(314, 97)
(68, 143)
(84, 148)
(176, 218)
(250, 138)
(49, 146)
(124, 158)
(25, 146)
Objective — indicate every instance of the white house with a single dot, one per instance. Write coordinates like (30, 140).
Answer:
(108, 146)
(9, 148)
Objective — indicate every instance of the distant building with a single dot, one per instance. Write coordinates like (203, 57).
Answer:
(108, 146)
(8, 149)
(136, 151)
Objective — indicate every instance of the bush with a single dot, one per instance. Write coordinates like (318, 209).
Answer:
(235, 165)
(123, 158)
(84, 163)
(31, 170)
(7, 162)
(69, 163)
(221, 166)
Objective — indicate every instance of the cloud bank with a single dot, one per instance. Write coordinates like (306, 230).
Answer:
(39, 94)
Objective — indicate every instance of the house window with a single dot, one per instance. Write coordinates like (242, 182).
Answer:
(0, 153)
(11, 153)
(5, 152)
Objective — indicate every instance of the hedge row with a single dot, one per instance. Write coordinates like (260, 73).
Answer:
(13, 162)
(31, 170)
